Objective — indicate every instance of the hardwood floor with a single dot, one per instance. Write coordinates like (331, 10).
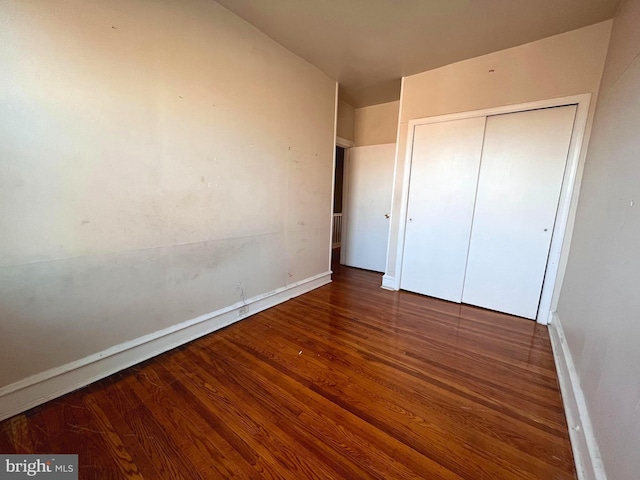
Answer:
(348, 381)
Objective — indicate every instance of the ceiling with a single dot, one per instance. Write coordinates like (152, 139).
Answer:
(368, 45)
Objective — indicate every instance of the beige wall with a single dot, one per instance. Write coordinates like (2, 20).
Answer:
(377, 124)
(345, 120)
(158, 161)
(562, 65)
(599, 305)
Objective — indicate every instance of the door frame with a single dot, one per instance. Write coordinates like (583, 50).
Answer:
(572, 176)
(347, 145)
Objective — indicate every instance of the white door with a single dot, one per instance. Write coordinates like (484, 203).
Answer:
(368, 203)
(521, 175)
(444, 174)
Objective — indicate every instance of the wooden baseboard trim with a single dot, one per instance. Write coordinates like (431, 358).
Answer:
(44, 386)
(583, 441)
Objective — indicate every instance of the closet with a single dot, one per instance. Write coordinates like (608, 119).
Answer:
(483, 198)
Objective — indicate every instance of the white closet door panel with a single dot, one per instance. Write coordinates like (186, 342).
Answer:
(444, 173)
(521, 174)
(370, 180)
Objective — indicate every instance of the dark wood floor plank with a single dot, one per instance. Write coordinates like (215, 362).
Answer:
(347, 381)
(6, 435)
(410, 422)
(81, 433)
(18, 435)
(442, 338)
(539, 410)
(206, 449)
(441, 355)
(133, 443)
(422, 326)
(346, 432)
(441, 403)
(262, 428)
(115, 446)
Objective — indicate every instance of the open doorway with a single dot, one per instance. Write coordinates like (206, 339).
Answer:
(337, 225)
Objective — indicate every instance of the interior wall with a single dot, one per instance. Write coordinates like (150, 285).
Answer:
(377, 124)
(346, 120)
(599, 306)
(562, 65)
(158, 161)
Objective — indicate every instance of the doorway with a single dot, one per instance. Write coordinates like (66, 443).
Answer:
(367, 202)
(338, 195)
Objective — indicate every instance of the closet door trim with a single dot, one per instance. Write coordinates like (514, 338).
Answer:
(566, 208)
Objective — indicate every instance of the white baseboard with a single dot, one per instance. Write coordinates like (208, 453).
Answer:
(388, 282)
(44, 386)
(583, 441)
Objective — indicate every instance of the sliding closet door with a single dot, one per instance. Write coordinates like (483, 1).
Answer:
(444, 173)
(521, 174)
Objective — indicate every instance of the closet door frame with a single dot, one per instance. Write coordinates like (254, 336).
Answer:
(565, 215)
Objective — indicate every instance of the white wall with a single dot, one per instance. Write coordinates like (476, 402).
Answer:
(158, 161)
(345, 120)
(376, 124)
(562, 65)
(599, 306)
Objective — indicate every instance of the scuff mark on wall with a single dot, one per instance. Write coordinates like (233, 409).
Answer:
(240, 291)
